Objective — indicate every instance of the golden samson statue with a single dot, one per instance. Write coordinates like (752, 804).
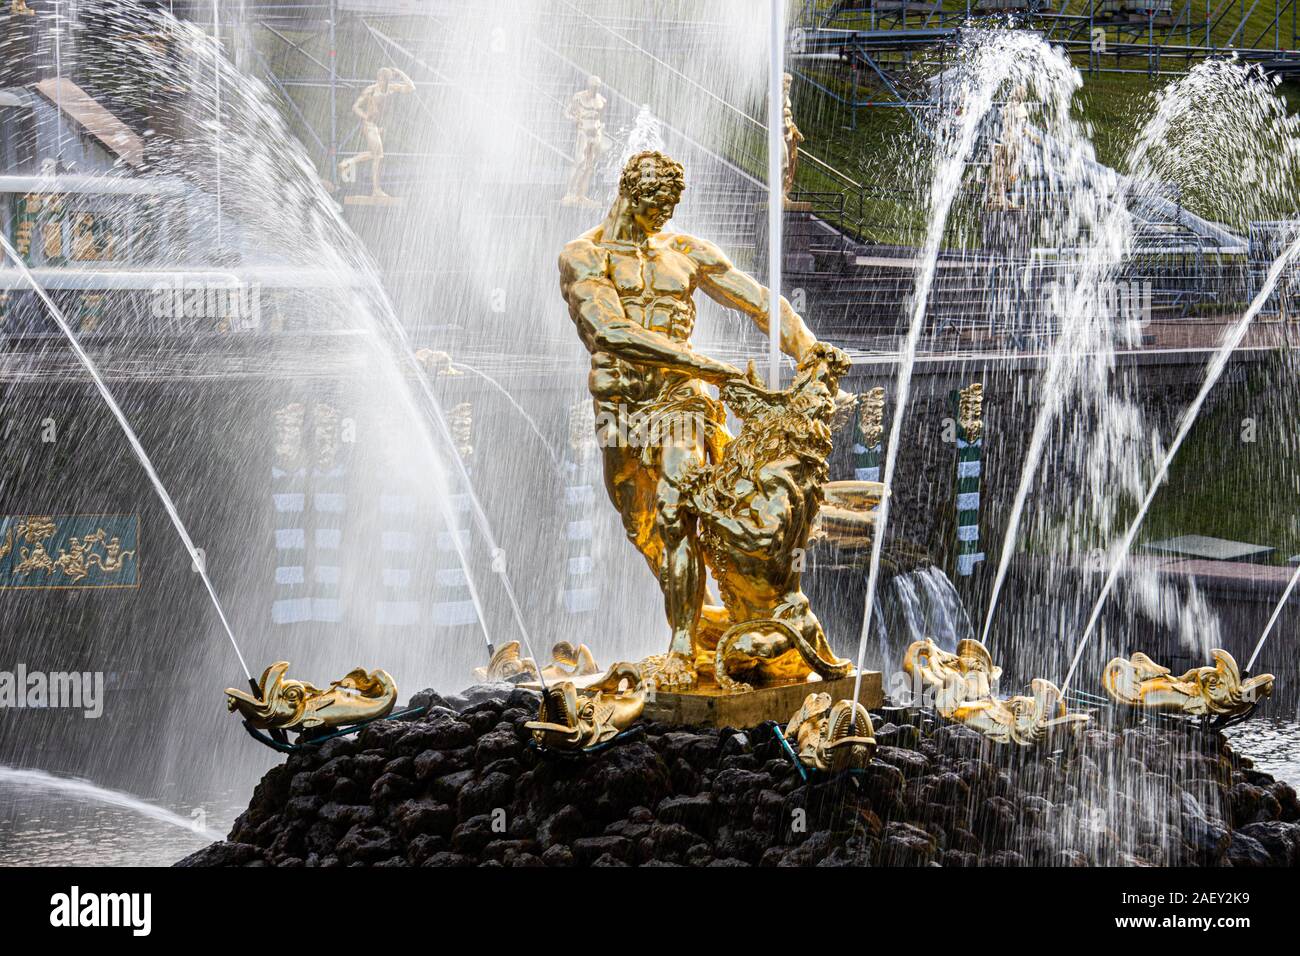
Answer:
(692, 497)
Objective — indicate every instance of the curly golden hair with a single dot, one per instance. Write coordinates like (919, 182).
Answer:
(668, 184)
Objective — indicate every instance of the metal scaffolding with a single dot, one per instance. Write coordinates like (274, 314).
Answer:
(862, 52)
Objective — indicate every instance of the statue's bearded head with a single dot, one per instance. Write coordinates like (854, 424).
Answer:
(652, 185)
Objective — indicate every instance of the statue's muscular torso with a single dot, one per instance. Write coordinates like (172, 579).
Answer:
(655, 283)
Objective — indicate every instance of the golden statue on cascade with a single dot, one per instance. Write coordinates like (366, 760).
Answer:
(692, 497)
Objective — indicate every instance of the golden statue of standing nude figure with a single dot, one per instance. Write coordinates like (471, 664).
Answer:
(689, 499)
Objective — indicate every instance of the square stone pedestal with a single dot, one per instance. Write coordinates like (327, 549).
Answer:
(712, 707)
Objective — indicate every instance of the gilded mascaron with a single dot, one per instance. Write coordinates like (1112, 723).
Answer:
(570, 720)
(831, 737)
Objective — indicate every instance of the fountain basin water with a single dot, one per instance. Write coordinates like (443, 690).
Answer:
(50, 820)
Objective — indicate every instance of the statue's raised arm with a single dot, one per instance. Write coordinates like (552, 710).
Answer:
(400, 82)
(735, 289)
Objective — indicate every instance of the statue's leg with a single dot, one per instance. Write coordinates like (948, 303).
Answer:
(579, 160)
(682, 575)
(586, 153)
(376, 143)
(643, 486)
(632, 489)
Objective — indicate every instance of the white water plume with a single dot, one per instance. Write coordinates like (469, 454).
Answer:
(85, 791)
(990, 63)
(1203, 138)
(1224, 138)
(1232, 340)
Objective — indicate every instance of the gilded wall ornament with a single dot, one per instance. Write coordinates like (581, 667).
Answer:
(69, 551)
(970, 411)
(871, 417)
(325, 428)
(289, 422)
(461, 425)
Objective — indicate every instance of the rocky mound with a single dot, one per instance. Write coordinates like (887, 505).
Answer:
(462, 786)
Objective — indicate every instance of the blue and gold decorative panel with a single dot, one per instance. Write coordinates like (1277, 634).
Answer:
(69, 551)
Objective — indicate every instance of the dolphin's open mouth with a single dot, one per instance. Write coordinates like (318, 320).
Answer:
(846, 728)
(849, 730)
(247, 704)
(555, 717)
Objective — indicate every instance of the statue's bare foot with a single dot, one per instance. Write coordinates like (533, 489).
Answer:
(675, 671)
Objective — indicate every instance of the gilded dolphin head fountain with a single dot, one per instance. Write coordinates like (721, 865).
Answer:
(962, 687)
(1217, 690)
(831, 736)
(567, 661)
(573, 719)
(286, 704)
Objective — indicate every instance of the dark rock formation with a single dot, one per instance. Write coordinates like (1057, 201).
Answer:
(463, 786)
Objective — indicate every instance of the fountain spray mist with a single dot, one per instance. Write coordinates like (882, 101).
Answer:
(1215, 370)
(145, 462)
(1225, 139)
(988, 60)
(1277, 612)
(85, 790)
(1083, 354)
(775, 190)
